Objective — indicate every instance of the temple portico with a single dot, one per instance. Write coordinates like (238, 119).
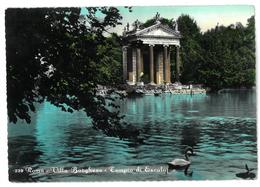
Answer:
(146, 53)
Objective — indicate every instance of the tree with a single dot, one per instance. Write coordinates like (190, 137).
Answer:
(112, 68)
(59, 55)
(191, 52)
(229, 56)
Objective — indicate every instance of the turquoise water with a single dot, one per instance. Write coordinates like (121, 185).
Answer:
(220, 127)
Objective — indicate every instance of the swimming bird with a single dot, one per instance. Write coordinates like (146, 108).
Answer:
(247, 174)
(179, 163)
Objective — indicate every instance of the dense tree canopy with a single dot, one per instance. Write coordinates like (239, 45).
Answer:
(60, 56)
(229, 56)
(223, 57)
(191, 52)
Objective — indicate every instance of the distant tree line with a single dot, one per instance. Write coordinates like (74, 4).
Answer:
(223, 57)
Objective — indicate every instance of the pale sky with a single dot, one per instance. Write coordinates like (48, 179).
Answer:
(206, 16)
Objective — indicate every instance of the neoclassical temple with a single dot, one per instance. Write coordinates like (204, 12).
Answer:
(146, 52)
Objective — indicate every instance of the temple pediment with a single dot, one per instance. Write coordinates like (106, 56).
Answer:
(158, 31)
(158, 34)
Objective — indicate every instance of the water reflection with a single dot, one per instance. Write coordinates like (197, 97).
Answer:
(221, 128)
(190, 134)
(22, 151)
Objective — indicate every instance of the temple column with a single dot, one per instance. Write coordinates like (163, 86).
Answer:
(142, 61)
(151, 64)
(177, 64)
(168, 71)
(138, 64)
(134, 65)
(159, 67)
(165, 58)
(124, 49)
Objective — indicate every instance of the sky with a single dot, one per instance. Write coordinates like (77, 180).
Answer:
(206, 17)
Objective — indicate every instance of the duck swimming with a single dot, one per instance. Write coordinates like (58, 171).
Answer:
(246, 175)
(179, 163)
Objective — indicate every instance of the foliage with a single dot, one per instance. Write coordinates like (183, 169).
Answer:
(112, 67)
(190, 51)
(223, 57)
(60, 56)
(229, 56)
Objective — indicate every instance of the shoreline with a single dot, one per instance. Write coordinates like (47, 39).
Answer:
(154, 90)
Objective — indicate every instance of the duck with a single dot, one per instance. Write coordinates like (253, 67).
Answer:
(247, 174)
(179, 163)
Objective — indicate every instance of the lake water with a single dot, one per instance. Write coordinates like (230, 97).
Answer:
(220, 127)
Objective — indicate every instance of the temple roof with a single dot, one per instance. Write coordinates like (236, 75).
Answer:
(156, 30)
(157, 33)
